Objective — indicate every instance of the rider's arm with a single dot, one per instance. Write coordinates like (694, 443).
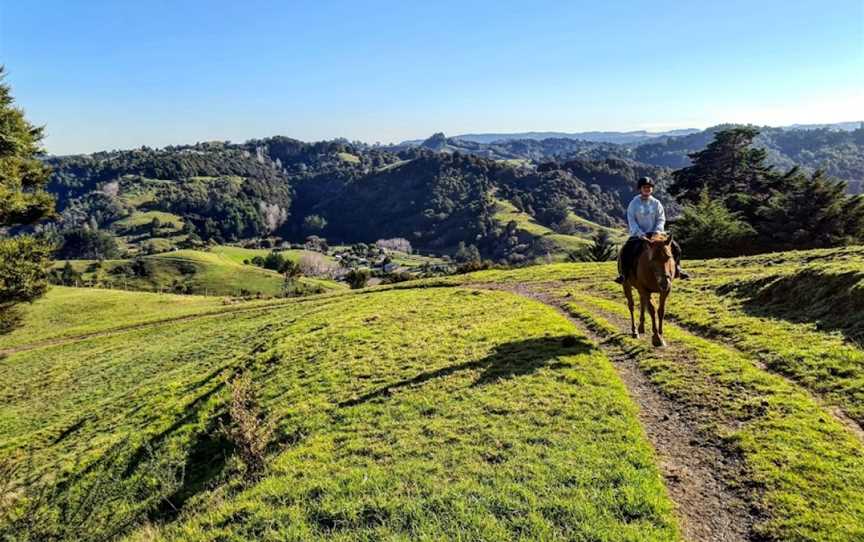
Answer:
(660, 220)
(635, 230)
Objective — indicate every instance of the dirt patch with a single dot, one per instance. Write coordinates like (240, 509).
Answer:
(694, 469)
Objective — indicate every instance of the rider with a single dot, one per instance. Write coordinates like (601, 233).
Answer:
(645, 216)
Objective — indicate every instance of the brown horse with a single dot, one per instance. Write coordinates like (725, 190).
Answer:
(652, 273)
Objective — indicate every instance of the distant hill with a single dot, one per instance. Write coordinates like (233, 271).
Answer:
(436, 194)
(839, 152)
(836, 148)
(597, 137)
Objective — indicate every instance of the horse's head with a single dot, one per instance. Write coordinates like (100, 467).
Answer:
(661, 261)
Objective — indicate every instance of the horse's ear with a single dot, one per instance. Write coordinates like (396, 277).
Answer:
(668, 240)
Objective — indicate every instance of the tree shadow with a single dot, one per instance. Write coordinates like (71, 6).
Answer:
(831, 301)
(508, 360)
(11, 318)
(205, 462)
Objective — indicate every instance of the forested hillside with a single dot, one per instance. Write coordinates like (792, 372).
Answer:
(152, 200)
(436, 194)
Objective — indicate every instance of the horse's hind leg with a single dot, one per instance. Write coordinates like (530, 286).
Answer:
(628, 293)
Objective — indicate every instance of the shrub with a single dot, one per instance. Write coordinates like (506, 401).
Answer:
(709, 229)
(601, 249)
(357, 278)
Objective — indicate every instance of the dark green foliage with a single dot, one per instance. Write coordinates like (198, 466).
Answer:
(811, 212)
(314, 224)
(24, 265)
(839, 153)
(69, 276)
(601, 249)
(466, 254)
(275, 261)
(707, 228)
(729, 169)
(733, 193)
(23, 201)
(357, 278)
(84, 243)
(433, 201)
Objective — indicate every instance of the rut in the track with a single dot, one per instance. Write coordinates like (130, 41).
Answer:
(694, 470)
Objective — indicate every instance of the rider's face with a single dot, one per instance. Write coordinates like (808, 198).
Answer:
(646, 190)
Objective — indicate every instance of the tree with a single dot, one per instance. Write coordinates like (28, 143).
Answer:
(811, 212)
(314, 224)
(24, 261)
(729, 169)
(601, 249)
(466, 254)
(357, 278)
(84, 242)
(69, 276)
(708, 228)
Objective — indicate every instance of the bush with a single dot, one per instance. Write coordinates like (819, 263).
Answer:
(601, 249)
(709, 229)
(23, 269)
(357, 278)
(473, 265)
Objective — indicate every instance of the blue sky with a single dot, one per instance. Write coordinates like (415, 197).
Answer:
(120, 74)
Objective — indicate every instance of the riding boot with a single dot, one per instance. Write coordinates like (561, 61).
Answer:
(680, 273)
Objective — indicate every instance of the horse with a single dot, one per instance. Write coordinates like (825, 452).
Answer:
(653, 273)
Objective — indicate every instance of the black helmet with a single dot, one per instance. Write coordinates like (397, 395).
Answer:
(645, 181)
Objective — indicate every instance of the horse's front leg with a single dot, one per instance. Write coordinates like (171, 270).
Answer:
(661, 313)
(628, 293)
(644, 300)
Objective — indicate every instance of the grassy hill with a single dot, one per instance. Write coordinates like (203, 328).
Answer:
(217, 272)
(530, 230)
(498, 405)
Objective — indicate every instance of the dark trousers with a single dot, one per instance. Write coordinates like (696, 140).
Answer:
(633, 248)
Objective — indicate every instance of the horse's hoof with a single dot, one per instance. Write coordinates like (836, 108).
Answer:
(656, 340)
(634, 335)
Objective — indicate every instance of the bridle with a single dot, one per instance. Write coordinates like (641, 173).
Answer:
(661, 275)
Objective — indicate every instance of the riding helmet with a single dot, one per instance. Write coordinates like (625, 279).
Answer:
(645, 181)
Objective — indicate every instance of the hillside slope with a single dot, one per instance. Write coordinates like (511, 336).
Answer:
(497, 405)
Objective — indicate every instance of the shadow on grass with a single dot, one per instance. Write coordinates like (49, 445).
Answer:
(11, 318)
(508, 360)
(832, 301)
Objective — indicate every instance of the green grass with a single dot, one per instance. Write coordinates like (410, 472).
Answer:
(526, 225)
(208, 273)
(348, 157)
(141, 219)
(435, 410)
(802, 466)
(240, 254)
(506, 424)
(64, 312)
(800, 462)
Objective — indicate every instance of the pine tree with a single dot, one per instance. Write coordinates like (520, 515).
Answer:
(728, 169)
(23, 201)
(811, 212)
(708, 228)
(601, 249)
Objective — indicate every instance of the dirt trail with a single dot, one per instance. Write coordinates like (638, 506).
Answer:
(694, 470)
